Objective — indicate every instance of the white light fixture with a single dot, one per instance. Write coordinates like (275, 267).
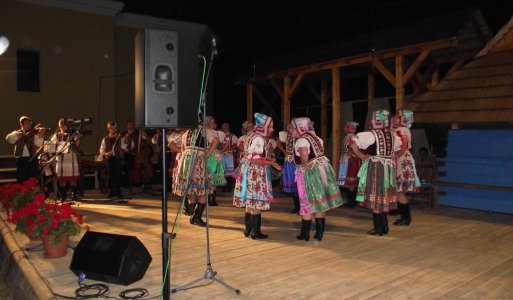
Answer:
(4, 44)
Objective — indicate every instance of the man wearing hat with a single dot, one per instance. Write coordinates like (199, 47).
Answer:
(26, 141)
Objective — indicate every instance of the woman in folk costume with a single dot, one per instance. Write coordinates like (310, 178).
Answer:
(190, 172)
(376, 188)
(316, 180)
(253, 186)
(228, 156)
(406, 175)
(66, 168)
(247, 128)
(349, 166)
(215, 167)
(288, 175)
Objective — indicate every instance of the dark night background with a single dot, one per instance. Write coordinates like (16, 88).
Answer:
(251, 30)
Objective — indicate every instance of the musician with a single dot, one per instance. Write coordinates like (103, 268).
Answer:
(66, 168)
(110, 149)
(26, 141)
(128, 140)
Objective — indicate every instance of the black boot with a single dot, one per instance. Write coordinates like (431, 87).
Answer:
(351, 198)
(295, 198)
(247, 222)
(378, 229)
(319, 228)
(405, 219)
(63, 190)
(196, 219)
(384, 223)
(189, 208)
(305, 230)
(256, 222)
(212, 199)
(74, 193)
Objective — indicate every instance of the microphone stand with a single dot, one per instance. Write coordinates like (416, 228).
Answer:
(210, 274)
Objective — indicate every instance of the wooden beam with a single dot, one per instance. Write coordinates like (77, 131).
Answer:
(364, 58)
(286, 100)
(415, 65)
(267, 104)
(277, 87)
(384, 71)
(399, 86)
(455, 67)
(370, 87)
(296, 84)
(335, 132)
(435, 78)
(249, 101)
(324, 110)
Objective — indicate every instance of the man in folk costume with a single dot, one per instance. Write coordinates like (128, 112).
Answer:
(26, 141)
(285, 143)
(406, 174)
(316, 180)
(253, 186)
(376, 188)
(349, 166)
(110, 149)
(190, 172)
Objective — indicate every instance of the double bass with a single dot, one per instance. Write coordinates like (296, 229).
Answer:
(143, 169)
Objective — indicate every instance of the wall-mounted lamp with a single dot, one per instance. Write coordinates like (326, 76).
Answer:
(4, 44)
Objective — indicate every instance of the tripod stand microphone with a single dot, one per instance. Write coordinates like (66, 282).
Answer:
(209, 274)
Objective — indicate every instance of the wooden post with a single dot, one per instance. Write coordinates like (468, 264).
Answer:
(286, 101)
(249, 101)
(324, 111)
(370, 89)
(435, 78)
(335, 132)
(399, 86)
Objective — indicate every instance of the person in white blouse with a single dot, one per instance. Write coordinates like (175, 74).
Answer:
(376, 187)
(253, 186)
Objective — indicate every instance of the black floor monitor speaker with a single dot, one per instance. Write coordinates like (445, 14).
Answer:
(168, 76)
(114, 258)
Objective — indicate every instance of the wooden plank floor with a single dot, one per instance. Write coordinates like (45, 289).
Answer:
(446, 253)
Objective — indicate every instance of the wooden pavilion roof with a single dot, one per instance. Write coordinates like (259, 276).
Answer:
(465, 27)
(481, 91)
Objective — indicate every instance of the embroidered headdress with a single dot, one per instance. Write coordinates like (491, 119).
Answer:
(406, 117)
(380, 120)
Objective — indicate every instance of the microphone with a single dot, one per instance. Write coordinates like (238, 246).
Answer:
(214, 46)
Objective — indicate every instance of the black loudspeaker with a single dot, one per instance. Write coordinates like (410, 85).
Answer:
(114, 258)
(168, 76)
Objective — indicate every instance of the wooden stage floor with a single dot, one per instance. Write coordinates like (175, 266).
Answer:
(446, 253)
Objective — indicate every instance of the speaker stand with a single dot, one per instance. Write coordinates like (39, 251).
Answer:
(210, 274)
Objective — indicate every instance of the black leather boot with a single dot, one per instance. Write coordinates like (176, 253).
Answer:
(351, 198)
(196, 219)
(256, 222)
(189, 209)
(319, 228)
(405, 219)
(212, 199)
(247, 222)
(384, 223)
(305, 230)
(378, 229)
(63, 190)
(295, 198)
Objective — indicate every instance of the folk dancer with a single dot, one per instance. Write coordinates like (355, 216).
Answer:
(406, 174)
(285, 143)
(215, 167)
(316, 180)
(376, 187)
(349, 166)
(229, 155)
(26, 141)
(253, 186)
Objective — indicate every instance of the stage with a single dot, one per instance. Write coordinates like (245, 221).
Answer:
(445, 253)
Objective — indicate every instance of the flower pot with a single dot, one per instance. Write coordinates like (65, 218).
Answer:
(55, 250)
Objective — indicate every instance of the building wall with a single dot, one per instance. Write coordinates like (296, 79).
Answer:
(76, 50)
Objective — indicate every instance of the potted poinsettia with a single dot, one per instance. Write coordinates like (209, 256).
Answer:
(15, 195)
(52, 222)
